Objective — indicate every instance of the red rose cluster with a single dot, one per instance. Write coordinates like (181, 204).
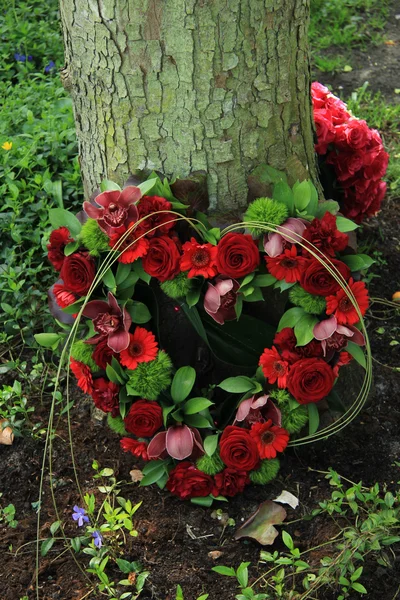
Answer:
(354, 150)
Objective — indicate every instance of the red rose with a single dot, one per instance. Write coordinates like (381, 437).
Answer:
(59, 238)
(316, 279)
(185, 481)
(106, 396)
(102, 354)
(238, 255)
(230, 482)
(354, 134)
(238, 450)
(78, 272)
(310, 380)
(144, 418)
(160, 222)
(162, 260)
(325, 130)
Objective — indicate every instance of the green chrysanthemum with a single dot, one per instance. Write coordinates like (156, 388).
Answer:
(267, 471)
(83, 353)
(149, 379)
(116, 424)
(281, 396)
(314, 305)
(265, 210)
(211, 465)
(93, 238)
(294, 420)
(178, 287)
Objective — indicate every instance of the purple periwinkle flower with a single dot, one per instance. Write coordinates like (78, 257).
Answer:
(22, 58)
(49, 67)
(98, 540)
(80, 515)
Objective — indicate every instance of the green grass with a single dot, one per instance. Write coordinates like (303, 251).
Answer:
(337, 26)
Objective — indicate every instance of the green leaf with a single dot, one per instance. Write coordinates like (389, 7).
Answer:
(358, 587)
(54, 527)
(224, 571)
(345, 225)
(147, 186)
(237, 385)
(283, 193)
(210, 444)
(70, 248)
(203, 501)
(123, 271)
(74, 308)
(242, 574)
(193, 316)
(329, 206)
(264, 280)
(303, 329)
(193, 296)
(107, 185)
(124, 565)
(182, 384)
(46, 546)
(129, 281)
(59, 217)
(291, 317)
(48, 340)
(255, 296)
(197, 421)
(287, 540)
(195, 405)
(247, 280)
(302, 195)
(109, 280)
(357, 262)
(138, 268)
(139, 312)
(283, 285)
(113, 375)
(76, 544)
(313, 416)
(154, 475)
(357, 353)
(313, 205)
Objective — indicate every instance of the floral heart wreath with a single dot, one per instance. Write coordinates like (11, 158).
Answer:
(209, 443)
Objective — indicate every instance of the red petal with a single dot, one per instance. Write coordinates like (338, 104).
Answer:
(118, 341)
(92, 211)
(157, 445)
(94, 308)
(179, 442)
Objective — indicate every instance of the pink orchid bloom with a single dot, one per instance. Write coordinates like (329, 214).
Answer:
(290, 232)
(179, 441)
(220, 300)
(109, 322)
(115, 210)
(258, 409)
(333, 336)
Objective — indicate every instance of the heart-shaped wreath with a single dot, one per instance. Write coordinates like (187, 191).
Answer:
(203, 438)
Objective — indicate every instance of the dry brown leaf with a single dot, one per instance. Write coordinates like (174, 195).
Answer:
(6, 434)
(260, 526)
(136, 475)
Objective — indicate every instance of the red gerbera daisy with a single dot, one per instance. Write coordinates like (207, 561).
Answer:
(130, 251)
(142, 348)
(341, 306)
(199, 259)
(274, 367)
(83, 375)
(287, 266)
(270, 439)
(137, 448)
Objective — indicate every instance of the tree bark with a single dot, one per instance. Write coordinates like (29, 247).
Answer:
(186, 85)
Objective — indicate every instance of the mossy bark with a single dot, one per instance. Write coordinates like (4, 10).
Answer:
(187, 85)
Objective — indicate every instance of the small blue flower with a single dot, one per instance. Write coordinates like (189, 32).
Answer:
(98, 540)
(22, 58)
(80, 515)
(49, 67)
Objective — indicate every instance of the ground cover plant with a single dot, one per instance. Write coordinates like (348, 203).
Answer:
(177, 561)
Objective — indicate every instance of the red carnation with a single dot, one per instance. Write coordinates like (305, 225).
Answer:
(310, 380)
(162, 259)
(317, 280)
(144, 418)
(199, 259)
(270, 439)
(230, 482)
(59, 238)
(286, 342)
(287, 266)
(186, 481)
(237, 255)
(131, 248)
(78, 272)
(83, 375)
(341, 306)
(274, 367)
(106, 396)
(142, 348)
(135, 447)
(238, 450)
(156, 222)
(324, 235)
(102, 354)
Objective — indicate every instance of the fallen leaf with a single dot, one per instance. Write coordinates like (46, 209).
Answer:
(260, 526)
(215, 554)
(287, 498)
(136, 475)
(397, 90)
(347, 68)
(6, 434)
(390, 43)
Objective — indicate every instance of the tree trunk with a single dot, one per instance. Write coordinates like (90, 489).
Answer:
(186, 85)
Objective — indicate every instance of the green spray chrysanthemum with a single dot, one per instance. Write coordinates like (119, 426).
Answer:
(265, 210)
(116, 424)
(149, 379)
(93, 238)
(83, 353)
(294, 420)
(266, 472)
(281, 396)
(178, 287)
(211, 465)
(314, 305)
